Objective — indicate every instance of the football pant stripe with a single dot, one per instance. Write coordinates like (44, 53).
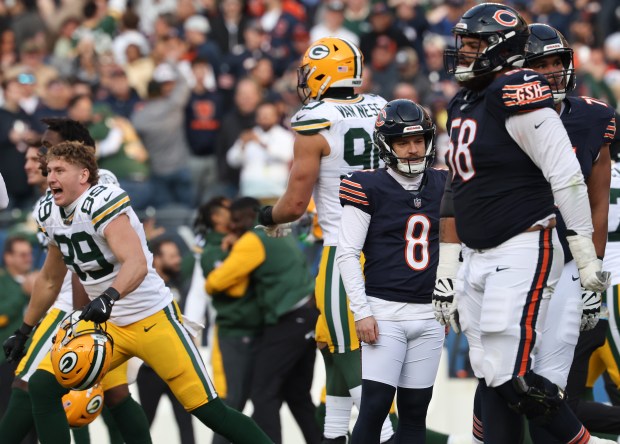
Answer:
(613, 335)
(41, 344)
(335, 310)
(192, 351)
(532, 303)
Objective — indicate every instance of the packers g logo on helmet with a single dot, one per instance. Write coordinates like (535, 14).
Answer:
(330, 62)
(81, 355)
(83, 406)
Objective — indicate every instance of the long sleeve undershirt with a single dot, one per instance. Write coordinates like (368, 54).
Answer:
(354, 225)
(542, 136)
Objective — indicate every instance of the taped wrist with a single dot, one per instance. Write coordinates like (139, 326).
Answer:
(25, 329)
(582, 249)
(265, 216)
(449, 260)
(112, 293)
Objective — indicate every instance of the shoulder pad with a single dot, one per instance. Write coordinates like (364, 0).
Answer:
(311, 119)
(520, 90)
(107, 177)
(103, 203)
(353, 192)
(599, 111)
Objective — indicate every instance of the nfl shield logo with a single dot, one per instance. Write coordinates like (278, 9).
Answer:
(417, 202)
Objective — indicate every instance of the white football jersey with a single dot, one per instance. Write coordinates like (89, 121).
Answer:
(64, 301)
(612, 251)
(348, 126)
(80, 237)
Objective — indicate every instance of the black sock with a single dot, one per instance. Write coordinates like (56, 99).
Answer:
(477, 427)
(377, 398)
(502, 425)
(412, 422)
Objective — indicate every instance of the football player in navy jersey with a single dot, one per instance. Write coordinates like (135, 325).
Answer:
(591, 127)
(510, 159)
(392, 216)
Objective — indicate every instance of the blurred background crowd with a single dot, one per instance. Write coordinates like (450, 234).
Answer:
(188, 99)
(191, 99)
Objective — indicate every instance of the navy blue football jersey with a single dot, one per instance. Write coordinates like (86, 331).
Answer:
(590, 124)
(497, 189)
(402, 245)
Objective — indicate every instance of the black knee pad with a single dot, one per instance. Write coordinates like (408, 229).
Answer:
(539, 398)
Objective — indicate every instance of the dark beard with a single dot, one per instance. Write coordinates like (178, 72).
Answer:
(478, 83)
(172, 273)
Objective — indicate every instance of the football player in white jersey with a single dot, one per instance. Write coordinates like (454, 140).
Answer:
(127, 413)
(93, 230)
(334, 138)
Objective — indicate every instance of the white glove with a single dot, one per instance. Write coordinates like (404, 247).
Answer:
(445, 305)
(192, 327)
(444, 301)
(591, 309)
(592, 278)
(278, 230)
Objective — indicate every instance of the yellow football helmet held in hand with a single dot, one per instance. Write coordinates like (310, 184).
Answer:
(83, 406)
(81, 354)
(329, 62)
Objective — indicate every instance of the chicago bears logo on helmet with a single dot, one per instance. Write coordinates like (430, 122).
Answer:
(381, 118)
(506, 18)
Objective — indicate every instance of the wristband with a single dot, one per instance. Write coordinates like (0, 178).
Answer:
(111, 291)
(25, 329)
(265, 216)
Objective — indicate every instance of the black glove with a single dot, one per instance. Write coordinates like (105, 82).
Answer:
(99, 310)
(14, 346)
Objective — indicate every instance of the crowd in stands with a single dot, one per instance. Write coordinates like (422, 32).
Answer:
(190, 99)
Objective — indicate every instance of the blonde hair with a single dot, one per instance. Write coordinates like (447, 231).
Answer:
(76, 153)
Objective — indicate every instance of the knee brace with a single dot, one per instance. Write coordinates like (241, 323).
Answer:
(538, 399)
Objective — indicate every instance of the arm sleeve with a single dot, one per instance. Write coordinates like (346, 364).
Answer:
(4, 196)
(447, 203)
(542, 136)
(352, 235)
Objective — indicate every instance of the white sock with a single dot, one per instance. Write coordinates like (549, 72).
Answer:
(387, 431)
(356, 395)
(337, 416)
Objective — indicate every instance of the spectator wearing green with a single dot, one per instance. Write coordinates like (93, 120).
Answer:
(16, 282)
(275, 271)
(238, 320)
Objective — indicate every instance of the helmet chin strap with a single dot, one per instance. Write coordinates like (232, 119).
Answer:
(323, 87)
